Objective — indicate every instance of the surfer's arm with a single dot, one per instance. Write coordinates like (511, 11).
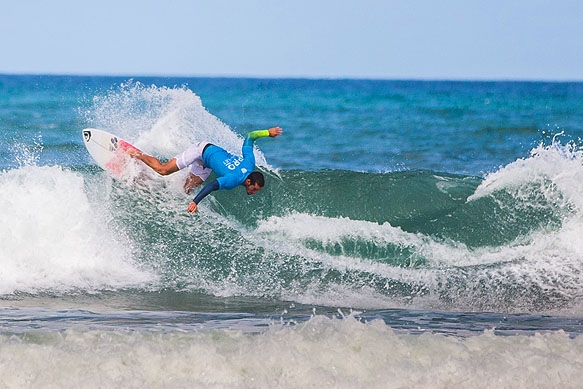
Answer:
(252, 136)
(205, 191)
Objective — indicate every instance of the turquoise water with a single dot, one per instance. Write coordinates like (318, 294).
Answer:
(411, 234)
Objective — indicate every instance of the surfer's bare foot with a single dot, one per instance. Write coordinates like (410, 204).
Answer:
(128, 149)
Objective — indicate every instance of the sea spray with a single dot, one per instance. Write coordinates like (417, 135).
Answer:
(161, 120)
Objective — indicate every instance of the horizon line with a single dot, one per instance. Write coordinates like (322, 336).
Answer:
(293, 77)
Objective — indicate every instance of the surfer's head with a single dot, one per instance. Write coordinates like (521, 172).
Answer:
(254, 183)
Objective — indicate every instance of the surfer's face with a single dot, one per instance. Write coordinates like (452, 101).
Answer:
(252, 188)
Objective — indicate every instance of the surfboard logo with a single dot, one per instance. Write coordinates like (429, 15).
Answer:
(87, 135)
(113, 145)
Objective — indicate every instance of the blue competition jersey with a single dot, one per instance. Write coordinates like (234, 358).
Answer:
(230, 169)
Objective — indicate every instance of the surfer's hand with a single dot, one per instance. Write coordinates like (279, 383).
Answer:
(192, 207)
(275, 131)
(191, 182)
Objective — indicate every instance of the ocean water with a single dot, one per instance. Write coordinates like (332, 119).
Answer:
(411, 234)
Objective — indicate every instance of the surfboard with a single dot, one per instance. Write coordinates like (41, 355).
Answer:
(108, 150)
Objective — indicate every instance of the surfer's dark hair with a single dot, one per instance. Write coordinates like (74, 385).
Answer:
(257, 178)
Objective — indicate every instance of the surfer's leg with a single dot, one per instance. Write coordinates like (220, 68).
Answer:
(193, 156)
(196, 176)
(161, 168)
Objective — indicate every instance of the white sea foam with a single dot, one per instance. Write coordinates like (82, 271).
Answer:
(544, 260)
(556, 170)
(323, 352)
(52, 239)
(334, 232)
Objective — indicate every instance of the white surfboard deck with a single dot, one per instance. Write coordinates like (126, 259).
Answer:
(108, 150)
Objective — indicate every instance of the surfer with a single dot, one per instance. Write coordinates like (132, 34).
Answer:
(204, 158)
